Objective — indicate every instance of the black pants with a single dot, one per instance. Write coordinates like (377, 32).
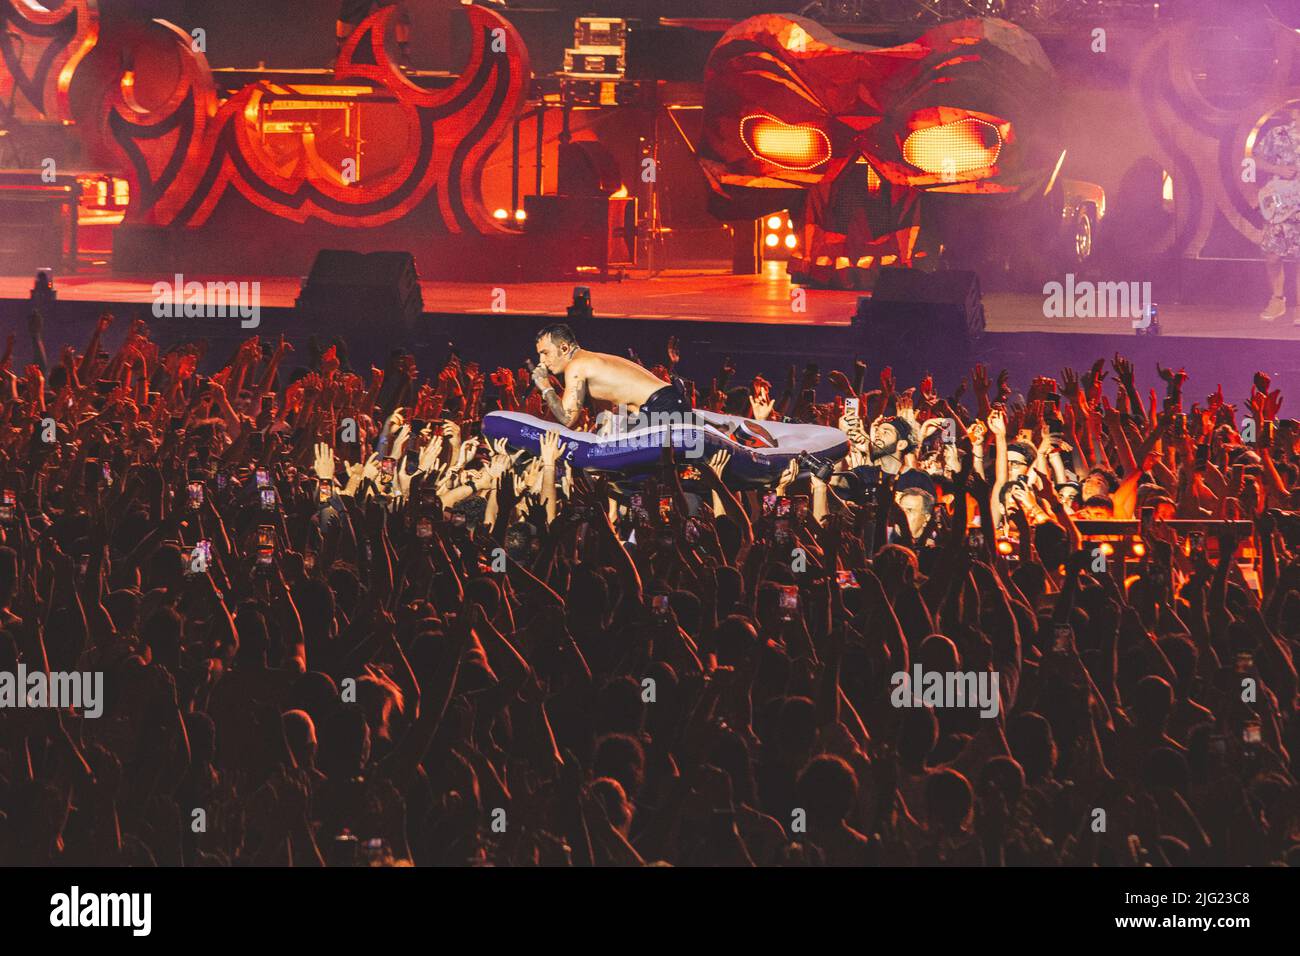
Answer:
(667, 399)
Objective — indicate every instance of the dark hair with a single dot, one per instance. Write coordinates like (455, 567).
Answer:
(737, 401)
(902, 428)
(560, 334)
(828, 788)
(1024, 450)
(1106, 475)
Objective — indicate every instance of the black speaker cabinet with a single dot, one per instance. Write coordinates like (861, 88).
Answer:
(372, 286)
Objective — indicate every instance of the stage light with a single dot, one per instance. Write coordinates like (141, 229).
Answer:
(1106, 548)
(791, 241)
(520, 215)
(1139, 549)
(774, 222)
(581, 307)
(959, 147)
(1005, 547)
(785, 145)
(772, 239)
(1150, 323)
(500, 214)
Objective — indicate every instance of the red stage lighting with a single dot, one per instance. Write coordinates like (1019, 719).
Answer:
(954, 148)
(784, 145)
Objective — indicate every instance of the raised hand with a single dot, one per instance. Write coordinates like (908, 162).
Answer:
(1264, 404)
(761, 406)
(903, 405)
(927, 393)
(718, 462)
(400, 439)
(468, 449)
(551, 448)
(1123, 370)
(1097, 374)
(323, 464)
(1004, 385)
(851, 425)
(542, 377)
(1069, 382)
(430, 455)
(1170, 376)
(840, 382)
(788, 476)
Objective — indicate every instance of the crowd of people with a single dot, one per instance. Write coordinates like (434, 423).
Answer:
(337, 626)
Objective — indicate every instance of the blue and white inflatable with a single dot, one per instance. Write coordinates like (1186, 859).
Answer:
(760, 451)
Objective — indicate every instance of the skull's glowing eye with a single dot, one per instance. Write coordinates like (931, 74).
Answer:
(781, 144)
(951, 149)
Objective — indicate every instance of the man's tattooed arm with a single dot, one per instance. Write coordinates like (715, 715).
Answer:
(567, 409)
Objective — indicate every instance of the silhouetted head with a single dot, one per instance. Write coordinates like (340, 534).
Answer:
(948, 800)
(828, 789)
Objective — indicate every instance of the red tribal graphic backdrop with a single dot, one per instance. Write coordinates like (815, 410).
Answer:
(43, 49)
(183, 154)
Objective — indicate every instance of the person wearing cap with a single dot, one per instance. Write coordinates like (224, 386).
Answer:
(892, 447)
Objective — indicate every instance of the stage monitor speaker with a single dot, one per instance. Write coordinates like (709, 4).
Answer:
(370, 286)
(934, 303)
(925, 320)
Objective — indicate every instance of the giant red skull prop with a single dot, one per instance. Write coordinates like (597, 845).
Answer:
(851, 138)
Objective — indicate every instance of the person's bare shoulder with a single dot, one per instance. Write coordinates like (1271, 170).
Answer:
(581, 364)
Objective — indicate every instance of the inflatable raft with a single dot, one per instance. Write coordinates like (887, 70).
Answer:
(760, 451)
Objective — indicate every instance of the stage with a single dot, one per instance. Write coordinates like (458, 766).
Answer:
(751, 319)
(691, 296)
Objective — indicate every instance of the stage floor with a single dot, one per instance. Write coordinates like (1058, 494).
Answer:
(767, 299)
